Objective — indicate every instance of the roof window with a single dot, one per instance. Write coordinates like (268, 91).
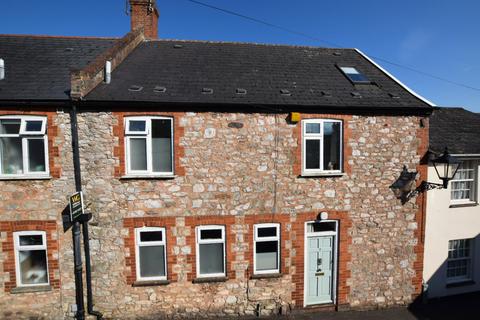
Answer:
(207, 90)
(135, 88)
(354, 75)
(159, 89)
(241, 91)
(285, 92)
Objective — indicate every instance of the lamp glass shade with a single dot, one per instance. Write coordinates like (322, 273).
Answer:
(446, 166)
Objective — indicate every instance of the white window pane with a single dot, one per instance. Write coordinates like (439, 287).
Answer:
(36, 155)
(152, 261)
(331, 145)
(9, 126)
(211, 258)
(33, 125)
(31, 240)
(138, 154)
(148, 236)
(211, 234)
(266, 255)
(11, 155)
(137, 125)
(33, 267)
(162, 145)
(312, 127)
(312, 154)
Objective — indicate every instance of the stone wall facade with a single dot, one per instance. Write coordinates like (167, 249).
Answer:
(231, 175)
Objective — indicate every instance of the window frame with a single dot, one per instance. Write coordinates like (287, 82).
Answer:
(266, 239)
(148, 138)
(469, 259)
(320, 136)
(347, 75)
(18, 247)
(199, 242)
(25, 137)
(139, 243)
(473, 166)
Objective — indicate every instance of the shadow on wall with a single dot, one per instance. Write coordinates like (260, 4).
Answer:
(457, 305)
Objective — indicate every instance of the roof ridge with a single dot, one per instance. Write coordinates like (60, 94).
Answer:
(44, 36)
(244, 42)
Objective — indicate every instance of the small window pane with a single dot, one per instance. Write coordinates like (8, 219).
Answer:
(152, 261)
(36, 155)
(267, 232)
(138, 154)
(34, 126)
(266, 255)
(320, 227)
(331, 146)
(146, 236)
(211, 258)
(10, 126)
(312, 128)
(136, 125)
(31, 240)
(162, 145)
(11, 155)
(33, 267)
(312, 154)
(353, 74)
(211, 234)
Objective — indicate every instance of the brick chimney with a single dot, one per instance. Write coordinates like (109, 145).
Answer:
(144, 13)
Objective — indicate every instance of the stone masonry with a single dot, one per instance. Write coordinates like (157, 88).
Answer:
(231, 175)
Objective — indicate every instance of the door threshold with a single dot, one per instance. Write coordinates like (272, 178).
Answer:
(327, 306)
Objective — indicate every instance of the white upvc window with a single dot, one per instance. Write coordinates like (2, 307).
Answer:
(210, 251)
(463, 186)
(149, 146)
(31, 265)
(151, 253)
(321, 146)
(459, 263)
(266, 248)
(23, 147)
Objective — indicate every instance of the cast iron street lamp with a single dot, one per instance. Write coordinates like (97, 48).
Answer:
(446, 167)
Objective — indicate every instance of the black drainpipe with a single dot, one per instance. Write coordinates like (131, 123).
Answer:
(76, 232)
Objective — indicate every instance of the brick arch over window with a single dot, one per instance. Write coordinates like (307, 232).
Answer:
(7, 247)
(119, 131)
(52, 135)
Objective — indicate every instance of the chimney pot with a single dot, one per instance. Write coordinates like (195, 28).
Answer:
(144, 14)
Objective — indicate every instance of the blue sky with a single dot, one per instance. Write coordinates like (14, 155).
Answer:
(439, 37)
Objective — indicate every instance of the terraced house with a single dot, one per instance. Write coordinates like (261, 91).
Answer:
(223, 178)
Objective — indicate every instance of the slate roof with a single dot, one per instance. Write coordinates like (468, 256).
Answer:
(38, 68)
(455, 128)
(309, 74)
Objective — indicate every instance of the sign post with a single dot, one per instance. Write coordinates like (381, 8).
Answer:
(76, 205)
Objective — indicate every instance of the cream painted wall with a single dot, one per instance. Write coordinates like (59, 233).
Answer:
(446, 223)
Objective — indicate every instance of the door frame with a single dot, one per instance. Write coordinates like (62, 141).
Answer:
(334, 255)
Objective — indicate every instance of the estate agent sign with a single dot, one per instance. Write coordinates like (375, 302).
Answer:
(76, 205)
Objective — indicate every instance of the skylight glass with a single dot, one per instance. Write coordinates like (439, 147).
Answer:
(354, 75)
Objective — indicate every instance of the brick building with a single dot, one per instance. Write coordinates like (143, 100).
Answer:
(223, 178)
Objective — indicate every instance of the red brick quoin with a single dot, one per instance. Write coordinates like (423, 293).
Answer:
(130, 259)
(50, 227)
(52, 133)
(119, 131)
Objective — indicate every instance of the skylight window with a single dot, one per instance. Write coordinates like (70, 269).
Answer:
(354, 75)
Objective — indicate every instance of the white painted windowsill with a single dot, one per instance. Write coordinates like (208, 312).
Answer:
(322, 174)
(32, 177)
(148, 176)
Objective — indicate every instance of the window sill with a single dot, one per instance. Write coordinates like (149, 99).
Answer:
(321, 174)
(462, 205)
(6, 178)
(150, 283)
(209, 280)
(460, 284)
(147, 177)
(31, 289)
(266, 276)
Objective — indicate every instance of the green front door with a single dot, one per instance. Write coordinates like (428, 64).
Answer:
(319, 287)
